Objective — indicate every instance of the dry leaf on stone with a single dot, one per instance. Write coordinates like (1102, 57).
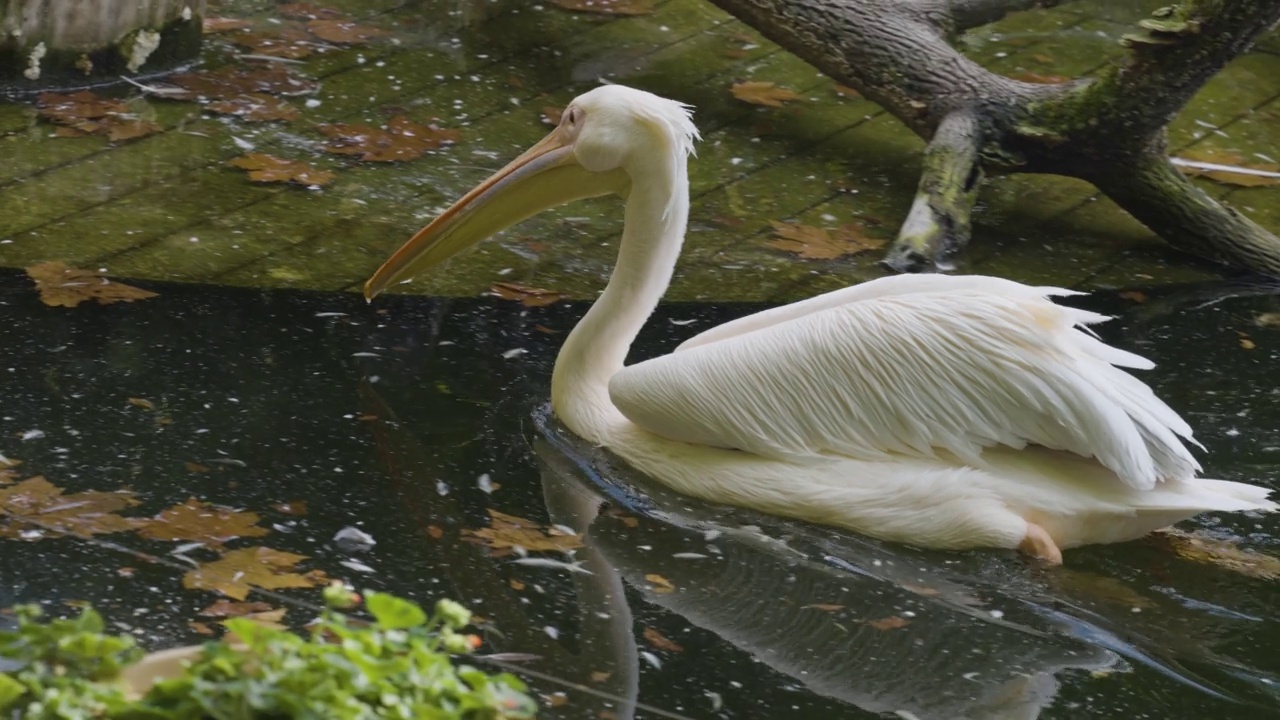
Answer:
(525, 295)
(212, 25)
(233, 80)
(345, 32)
(763, 93)
(198, 521)
(660, 641)
(35, 504)
(608, 7)
(86, 113)
(265, 168)
(401, 139)
(508, 531)
(1234, 171)
(288, 43)
(814, 243)
(1199, 547)
(239, 570)
(551, 115)
(255, 107)
(307, 11)
(227, 608)
(893, 622)
(62, 286)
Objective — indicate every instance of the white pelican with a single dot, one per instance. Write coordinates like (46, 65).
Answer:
(940, 411)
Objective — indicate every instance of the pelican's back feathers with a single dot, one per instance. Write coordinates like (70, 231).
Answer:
(912, 366)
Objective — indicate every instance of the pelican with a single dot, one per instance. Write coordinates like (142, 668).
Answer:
(949, 412)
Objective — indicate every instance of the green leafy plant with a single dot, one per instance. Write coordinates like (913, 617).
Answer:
(397, 666)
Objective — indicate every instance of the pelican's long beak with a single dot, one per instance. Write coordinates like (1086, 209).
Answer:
(544, 176)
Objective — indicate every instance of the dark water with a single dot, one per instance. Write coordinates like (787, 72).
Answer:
(384, 417)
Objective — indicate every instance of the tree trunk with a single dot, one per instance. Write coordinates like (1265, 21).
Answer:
(48, 44)
(1107, 129)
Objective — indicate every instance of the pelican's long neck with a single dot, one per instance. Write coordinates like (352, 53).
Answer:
(656, 215)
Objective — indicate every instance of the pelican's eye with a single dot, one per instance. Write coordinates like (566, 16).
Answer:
(572, 117)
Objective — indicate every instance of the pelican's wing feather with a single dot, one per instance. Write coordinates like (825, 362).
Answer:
(912, 367)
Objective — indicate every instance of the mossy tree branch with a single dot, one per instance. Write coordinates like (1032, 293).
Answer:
(939, 222)
(1107, 129)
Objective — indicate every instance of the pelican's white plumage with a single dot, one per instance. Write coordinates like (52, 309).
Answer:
(942, 411)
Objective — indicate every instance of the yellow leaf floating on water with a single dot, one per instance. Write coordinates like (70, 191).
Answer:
(763, 93)
(35, 504)
(63, 286)
(201, 522)
(508, 531)
(660, 584)
(814, 243)
(1200, 547)
(239, 570)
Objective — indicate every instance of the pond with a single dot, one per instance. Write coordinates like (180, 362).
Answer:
(255, 381)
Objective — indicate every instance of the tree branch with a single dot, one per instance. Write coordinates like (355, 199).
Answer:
(939, 223)
(1170, 204)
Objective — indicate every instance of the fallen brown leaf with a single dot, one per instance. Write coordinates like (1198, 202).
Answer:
(199, 521)
(608, 7)
(659, 583)
(265, 168)
(227, 608)
(196, 467)
(813, 243)
(37, 504)
(763, 93)
(255, 107)
(826, 607)
(289, 43)
(525, 295)
(233, 80)
(508, 531)
(551, 115)
(143, 403)
(1135, 295)
(1269, 319)
(306, 11)
(62, 286)
(516, 584)
(1247, 342)
(212, 25)
(599, 676)
(200, 628)
(435, 532)
(660, 641)
(86, 113)
(345, 32)
(240, 570)
(893, 622)
(401, 139)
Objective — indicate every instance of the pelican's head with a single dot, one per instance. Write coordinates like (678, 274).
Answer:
(605, 138)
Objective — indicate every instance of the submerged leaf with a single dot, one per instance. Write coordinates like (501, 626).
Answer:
(660, 641)
(1203, 548)
(212, 25)
(63, 286)
(86, 113)
(288, 43)
(232, 81)
(893, 622)
(763, 93)
(239, 570)
(255, 107)
(345, 32)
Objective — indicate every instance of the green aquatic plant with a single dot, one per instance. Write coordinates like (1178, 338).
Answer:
(397, 666)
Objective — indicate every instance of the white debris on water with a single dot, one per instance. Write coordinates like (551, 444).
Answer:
(353, 539)
(33, 62)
